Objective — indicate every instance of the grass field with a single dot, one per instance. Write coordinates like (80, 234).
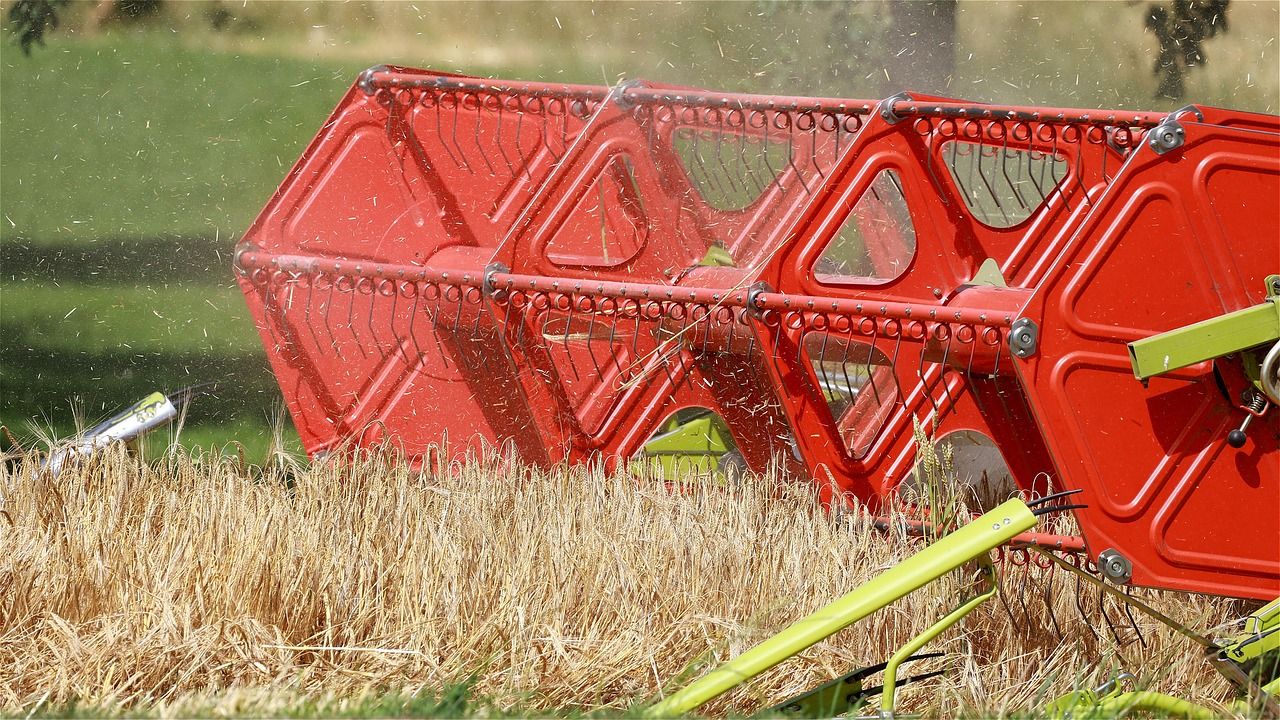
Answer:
(131, 165)
(134, 159)
(200, 586)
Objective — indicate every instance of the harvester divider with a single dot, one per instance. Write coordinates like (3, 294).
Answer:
(973, 541)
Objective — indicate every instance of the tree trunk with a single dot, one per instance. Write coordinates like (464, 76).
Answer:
(919, 47)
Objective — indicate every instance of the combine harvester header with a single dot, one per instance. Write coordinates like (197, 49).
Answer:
(562, 272)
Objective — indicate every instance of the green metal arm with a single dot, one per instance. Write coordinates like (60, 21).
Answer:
(1208, 339)
(906, 651)
(969, 542)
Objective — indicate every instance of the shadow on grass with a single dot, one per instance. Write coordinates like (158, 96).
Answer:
(123, 260)
(41, 385)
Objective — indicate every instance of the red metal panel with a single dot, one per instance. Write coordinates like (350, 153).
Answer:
(1178, 238)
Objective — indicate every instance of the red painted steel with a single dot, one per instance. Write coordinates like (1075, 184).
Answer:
(554, 270)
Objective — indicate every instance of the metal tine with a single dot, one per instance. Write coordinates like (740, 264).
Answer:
(942, 373)
(844, 364)
(475, 326)
(728, 175)
(444, 143)
(871, 350)
(457, 315)
(749, 164)
(467, 163)
(775, 176)
(969, 196)
(1032, 156)
(1128, 611)
(1111, 626)
(591, 352)
(928, 388)
(328, 325)
(476, 131)
(613, 334)
(524, 161)
(395, 336)
(1048, 603)
(522, 321)
(1080, 610)
(791, 152)
(511, 170)
(1052, 496)
(306, 313)
(546, 122)
(635, 335)
(351, 324)
(813, 145)
(973, 168)
(733, 328)
(982, 173)
(568, 328)
(373, 333)
(930, 165)
(897, 383)
(706, 175)
(435, 318)
(1079, 168)
(1053, 171)
(413, 325)
(1004, 170)
(823, 382)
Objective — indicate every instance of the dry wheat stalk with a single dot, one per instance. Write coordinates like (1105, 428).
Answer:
(198, 582)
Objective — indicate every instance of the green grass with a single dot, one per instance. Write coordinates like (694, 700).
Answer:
(131, 164)
(134, 159)
(138, 136)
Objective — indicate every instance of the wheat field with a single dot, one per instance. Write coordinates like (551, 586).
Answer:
(197, 584)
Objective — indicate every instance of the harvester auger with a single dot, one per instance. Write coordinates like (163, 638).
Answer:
(557, 271)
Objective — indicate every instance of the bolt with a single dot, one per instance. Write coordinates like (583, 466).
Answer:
(1168, 138)
(1025, 338)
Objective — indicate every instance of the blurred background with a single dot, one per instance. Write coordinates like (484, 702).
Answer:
(139, 138)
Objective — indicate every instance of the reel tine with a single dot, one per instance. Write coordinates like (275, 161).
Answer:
(373, 333)
(591, 352)
(328, 325)
(306, 312)
(397, 341)
(1079, 602)
(497, 138)
(1004, 171)
(1133, 622)
(982, 173)
(457, 103)
(351, 323)
(476, 134)
(413, 326)
(440, 132)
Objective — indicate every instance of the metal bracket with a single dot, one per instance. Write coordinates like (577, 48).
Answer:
(490, 270)
(1186, 109)
(886, 108)
(1024, 337)
(1115, 567)
(754, 292)
(618, 93)
(1166, 136)
(365, 82)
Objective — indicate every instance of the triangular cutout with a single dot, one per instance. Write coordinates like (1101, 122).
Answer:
(877, 240)
(608, 225)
